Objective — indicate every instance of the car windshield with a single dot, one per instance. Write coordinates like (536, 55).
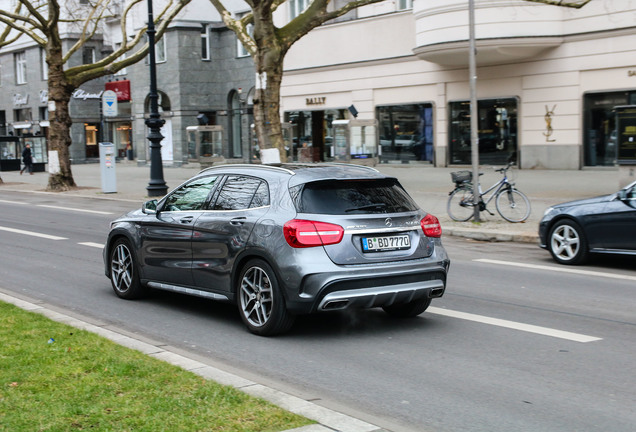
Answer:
(352, 197)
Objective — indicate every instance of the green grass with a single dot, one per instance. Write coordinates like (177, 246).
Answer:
(54, 377)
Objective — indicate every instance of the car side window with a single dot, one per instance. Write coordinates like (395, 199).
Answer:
(191, 196)
(242, 192)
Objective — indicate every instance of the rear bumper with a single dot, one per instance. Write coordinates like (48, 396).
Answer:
(372, 286)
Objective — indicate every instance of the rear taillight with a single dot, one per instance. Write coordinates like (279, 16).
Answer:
(431, 226)
(305, 233)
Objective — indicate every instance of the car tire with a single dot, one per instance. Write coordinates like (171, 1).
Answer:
(124, 271)
(260, 301)
(408, 310)
(567, 243)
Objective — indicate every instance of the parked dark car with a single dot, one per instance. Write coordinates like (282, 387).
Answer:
(281, 241)
(605, 224)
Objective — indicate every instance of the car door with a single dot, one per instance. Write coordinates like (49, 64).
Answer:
(166, 237)
(222, 232)
(619, 222)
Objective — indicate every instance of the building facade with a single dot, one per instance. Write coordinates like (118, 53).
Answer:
(548, 79)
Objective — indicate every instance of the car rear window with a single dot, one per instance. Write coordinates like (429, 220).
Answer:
(352, 197)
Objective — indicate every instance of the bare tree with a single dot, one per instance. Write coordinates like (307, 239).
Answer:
(46, 22)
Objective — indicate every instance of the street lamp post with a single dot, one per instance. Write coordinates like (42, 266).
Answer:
(157, 185)
(474, 112)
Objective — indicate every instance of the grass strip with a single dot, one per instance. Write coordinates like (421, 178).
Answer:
(54, 377)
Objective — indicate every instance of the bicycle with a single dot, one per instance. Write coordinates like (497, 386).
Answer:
(510, 202)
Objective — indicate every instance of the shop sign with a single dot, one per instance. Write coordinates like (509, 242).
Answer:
(109, 103)
(19, 99)
(316, 100)
(122, 88)
(84, 95)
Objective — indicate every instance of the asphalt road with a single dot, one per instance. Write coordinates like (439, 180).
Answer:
(517, 343)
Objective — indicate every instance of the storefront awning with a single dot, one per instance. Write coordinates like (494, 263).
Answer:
(22, 125)
(44, 123)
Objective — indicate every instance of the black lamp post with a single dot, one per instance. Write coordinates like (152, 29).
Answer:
(157, 185)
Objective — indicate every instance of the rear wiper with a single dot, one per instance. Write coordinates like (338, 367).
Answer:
(378, 206)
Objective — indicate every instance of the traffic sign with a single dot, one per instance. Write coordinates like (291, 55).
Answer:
(109, 103)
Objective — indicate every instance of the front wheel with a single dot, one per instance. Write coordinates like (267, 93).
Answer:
(567, 243)
(260, 300)
(124, 271)
(512, 205)
(460, 206)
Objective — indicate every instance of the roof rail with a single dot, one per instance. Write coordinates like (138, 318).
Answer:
(272, 167)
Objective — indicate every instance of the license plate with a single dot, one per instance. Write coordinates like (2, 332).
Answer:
(386, 243)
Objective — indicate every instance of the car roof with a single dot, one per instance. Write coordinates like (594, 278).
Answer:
(300, 173)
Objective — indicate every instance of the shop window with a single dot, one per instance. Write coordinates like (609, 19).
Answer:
(91, 131)
(599, 128)
(497, 131)
(406, 132)
(20, 67)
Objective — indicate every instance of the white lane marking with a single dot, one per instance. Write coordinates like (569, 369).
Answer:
(90, 244)
(13, 202)
(558, 269)
(74, 209)
(545, 331)
(31, 233)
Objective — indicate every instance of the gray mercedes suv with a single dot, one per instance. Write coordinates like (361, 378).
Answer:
(283, 240)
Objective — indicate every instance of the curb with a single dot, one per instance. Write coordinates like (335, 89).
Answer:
(328, 420)
(490, 235)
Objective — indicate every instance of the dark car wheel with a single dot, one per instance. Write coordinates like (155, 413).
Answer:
(408, 310)
(260, 301)
(567, 243)
(124, 273)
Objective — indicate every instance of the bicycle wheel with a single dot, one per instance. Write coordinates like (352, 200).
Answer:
(460, 205)
(512, 205)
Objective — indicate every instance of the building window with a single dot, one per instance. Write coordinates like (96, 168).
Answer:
(497, 131)
(160, 50)
(296, 7)
(88, 55)
(44, 67)
(404, 4)
(406, 132)
(121, 57)
(20, 67)
(205, 42)
(241, 50)
(0, 75)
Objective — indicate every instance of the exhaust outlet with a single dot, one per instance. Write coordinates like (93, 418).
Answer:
(436, 292)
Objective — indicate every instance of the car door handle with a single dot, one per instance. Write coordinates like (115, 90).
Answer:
(238, 221)
(186, 219)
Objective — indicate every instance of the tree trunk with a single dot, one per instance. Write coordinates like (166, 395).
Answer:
(60, 91)
(60, 140)
(267, 109)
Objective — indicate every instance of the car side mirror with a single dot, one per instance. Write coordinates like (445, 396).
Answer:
(149, 207)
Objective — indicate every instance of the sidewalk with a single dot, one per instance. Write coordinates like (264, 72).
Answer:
(428, 185)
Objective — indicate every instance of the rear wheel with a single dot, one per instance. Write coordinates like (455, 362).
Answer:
(124, 271)
(512, 205)
(567, 243)
(460, 205)
(260, 300)
(408, 310)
